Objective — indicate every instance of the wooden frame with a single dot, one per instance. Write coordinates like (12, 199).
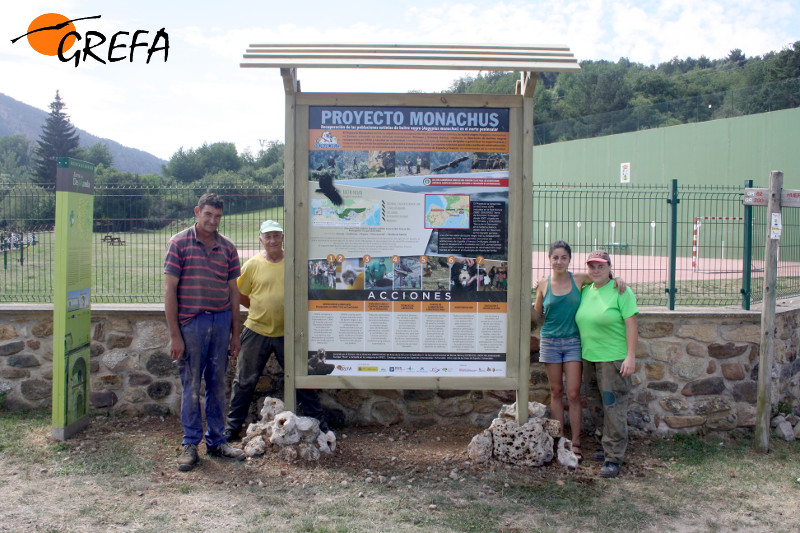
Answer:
(529, 60)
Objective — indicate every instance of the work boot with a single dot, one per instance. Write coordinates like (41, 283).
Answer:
(188, 457)
(232, 436)
(610, 469)
(598, 455)
(227, 451)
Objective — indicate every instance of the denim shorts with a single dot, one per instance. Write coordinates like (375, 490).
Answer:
(565, 350)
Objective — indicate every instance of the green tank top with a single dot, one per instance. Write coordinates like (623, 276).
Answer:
(559, 312)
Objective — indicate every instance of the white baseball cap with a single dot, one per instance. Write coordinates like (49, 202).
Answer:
(270, 225)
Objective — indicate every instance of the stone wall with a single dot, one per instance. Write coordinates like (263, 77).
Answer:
(696, 370)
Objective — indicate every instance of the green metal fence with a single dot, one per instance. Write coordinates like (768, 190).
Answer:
(681, 245)
(131, 230)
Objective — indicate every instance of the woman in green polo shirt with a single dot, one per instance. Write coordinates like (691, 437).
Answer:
(609, 334)
(557, 299)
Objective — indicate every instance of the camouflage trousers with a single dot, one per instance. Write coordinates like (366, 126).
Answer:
(607, 394)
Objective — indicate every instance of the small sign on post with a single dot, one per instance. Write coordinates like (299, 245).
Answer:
(72, 314)
(757, 196)
(774, 198)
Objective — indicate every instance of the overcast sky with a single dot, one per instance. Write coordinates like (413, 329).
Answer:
(202, 95)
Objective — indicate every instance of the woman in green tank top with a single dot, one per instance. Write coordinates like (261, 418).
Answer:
(557, 299)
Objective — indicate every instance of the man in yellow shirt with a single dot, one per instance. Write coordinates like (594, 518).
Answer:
(261, 286)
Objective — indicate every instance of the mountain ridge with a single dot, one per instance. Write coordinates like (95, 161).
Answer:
(19, 118)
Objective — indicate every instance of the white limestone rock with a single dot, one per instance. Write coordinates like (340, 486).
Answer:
(785, 431)
(271, 408)
(308, 451)
(535, 410)
(308, 428)
(295, 436)
(566, 457)
(552, 427)
(287, 453)
(255, 447)
(327, 442)
(284, 429)
(526, 445)
(480, 447)
(256, 428)
(776, 421)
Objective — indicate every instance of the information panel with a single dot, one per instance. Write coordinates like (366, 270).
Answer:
(408, 241)
(71, 298)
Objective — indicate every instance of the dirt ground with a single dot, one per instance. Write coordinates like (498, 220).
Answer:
(121, 475)
(363, 452)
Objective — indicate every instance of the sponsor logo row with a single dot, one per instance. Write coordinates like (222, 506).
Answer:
(418, 369)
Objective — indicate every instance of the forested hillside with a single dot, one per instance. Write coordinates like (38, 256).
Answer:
(678, 91)
(603, 98)
(17, 118)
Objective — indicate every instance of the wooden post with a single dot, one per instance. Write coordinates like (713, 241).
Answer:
(290, 85)
(526, 87)
(767, 345)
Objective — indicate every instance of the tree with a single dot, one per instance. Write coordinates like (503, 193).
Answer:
(96, 154)
(737, 57)
(58, 139)
(131, 201)
(15, 159)
(187, 166)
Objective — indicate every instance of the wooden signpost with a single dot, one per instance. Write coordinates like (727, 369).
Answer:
(774, 198)
(408, 235)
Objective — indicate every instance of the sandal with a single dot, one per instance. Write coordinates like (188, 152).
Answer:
(578, 453)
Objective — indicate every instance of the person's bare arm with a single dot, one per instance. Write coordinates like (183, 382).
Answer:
(581, 279)
(538, 305)
(620, 285)
(632, 339)
(176, 345)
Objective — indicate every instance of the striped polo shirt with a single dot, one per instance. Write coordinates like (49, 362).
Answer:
(202, 275)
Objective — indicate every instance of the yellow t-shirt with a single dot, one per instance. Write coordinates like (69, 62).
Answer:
(262, 282)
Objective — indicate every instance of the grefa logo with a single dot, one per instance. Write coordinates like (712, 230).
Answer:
(53, 34)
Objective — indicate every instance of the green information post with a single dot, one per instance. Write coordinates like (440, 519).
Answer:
(71, 303)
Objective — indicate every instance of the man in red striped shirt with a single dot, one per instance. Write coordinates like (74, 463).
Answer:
(201, 303)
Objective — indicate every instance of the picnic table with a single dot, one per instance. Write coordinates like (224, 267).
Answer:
(113, 241)
(17, 241)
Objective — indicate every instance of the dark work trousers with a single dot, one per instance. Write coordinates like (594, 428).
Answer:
(607, 394)
(252, 359)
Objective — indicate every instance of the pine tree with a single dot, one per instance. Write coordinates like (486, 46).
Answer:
(58, 139)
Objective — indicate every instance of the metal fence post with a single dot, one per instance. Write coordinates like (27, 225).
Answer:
(673, 242)
(747, 252)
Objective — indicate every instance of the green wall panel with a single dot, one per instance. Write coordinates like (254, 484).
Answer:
(718, 152)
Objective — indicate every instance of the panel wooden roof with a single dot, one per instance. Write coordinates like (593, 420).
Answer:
(545, 58)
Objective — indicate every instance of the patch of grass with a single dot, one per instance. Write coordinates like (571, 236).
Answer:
(576, 506)
(692, 448)
(19, 428)
(687, 483)
(118, 456)
(480, 517)
(132, 273)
